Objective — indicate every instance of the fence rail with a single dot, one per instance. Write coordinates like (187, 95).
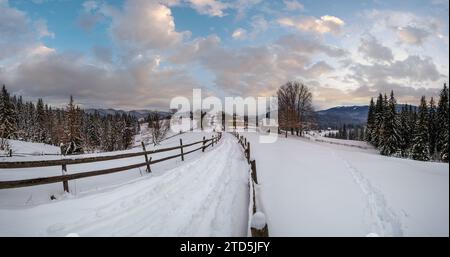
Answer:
(264, 232)
(64, 162)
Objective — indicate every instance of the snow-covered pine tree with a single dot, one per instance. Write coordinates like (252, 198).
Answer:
(405, 131)
(370, 122)
(21, 118)
(432, 129)
(382, 125)
(128, 133)
(105, 139)
(443, 121)
(40, 130)
(420, 147)
(72, 130)
(390, 129)
(376, 135)
(93, 131)
(8, 118)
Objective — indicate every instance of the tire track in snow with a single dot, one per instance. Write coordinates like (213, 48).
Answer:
(383, 220)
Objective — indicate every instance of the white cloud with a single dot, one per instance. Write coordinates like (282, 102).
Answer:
(90, 6)
(309, 45)
(373, 50)
(57, 76)
(409, 28)
(412, 69)
(293, 5)
(143, 25)
(322, 25)
(242, 6)
(259, 25)
(209, 7)
(239, 34)
(19, 34)
(412, 35)
(42, 30)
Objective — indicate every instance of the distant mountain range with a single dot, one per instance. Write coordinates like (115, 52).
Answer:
(338, 116)
(330, 118)
(135, 113)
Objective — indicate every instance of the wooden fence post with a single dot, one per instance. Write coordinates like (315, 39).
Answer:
(203, 148)
(146, 158)
(181, 147)
(254, 176)
(248, 152)
(65, 182)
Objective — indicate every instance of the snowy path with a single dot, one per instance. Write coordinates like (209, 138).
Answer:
(207, 196)
(318, 189)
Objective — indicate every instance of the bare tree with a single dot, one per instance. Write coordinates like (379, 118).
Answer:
(295, 110)
(158, 127)
(306, 111)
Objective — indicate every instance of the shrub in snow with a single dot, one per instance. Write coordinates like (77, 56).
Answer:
(258, 220)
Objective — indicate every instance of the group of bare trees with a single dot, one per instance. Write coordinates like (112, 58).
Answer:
(295, 110)
(158, 125)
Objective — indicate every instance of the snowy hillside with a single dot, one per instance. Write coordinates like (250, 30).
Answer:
(27, 148)
(207, 195)
(308, 187)
(311, 188)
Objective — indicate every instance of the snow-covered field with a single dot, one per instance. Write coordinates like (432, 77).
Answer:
(22, 148)
(307, 188)
(310, 188)
(320, 137)
(207, 195)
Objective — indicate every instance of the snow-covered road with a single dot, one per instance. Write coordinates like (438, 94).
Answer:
(309, 188)
(206, 196)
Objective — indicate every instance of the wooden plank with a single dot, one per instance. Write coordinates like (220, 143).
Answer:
(56, 179)
(254, 175)
(146, 157)
(49, 163)
(248, 152)
(65, 182)
(62, 178)
(181, 148)
(204, 142)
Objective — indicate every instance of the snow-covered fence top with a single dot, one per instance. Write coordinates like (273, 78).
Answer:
(257, 222)
(69, 161)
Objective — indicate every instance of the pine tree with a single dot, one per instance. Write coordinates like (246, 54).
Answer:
(390, 129)
(432, 128)
(405, 131)
(443, 124)
(93, 131)
(420, 148)
(8, 118)
(72, 129)
(41, 135)
(370, 122)
(379, 111)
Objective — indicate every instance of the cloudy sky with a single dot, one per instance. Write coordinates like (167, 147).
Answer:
(134, 54)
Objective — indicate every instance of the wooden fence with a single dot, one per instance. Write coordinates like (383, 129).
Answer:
(264, 232)
(64, 178)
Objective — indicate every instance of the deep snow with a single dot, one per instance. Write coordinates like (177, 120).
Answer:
(205, 196)
(307, 188)
(310, 188)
